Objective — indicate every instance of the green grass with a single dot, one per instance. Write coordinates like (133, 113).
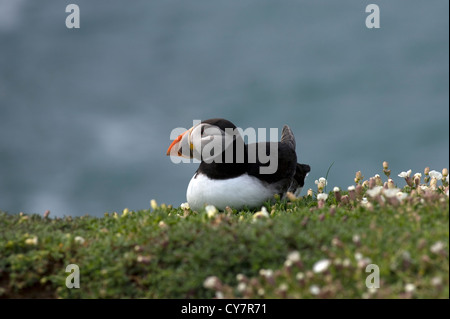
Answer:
(169, 252)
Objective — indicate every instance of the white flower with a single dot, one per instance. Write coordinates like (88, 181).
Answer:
(33, 241)
(401, 196)
(211, 282)
(405, 174)
(184, 206)
(241, 287)
(391, 192)
(153, 204)
(374, 192)
(262, 213)
(294, 256)
(300, 276)
(211, 211)
(437, 247)
(346, 262)
(80, 240)
(423, 187)
(358, 256)
(261, 291)
(321, 180)
(410, 287)
(321, 265)
(336, 189)
(240, 277)
(283, 287)
(219, 295)
(418, 175)
(266, 273)
(322, 196)
(356, 238)
(351, 188)
(162, 224)
(436, 281)
(435, 174)
(314, 290)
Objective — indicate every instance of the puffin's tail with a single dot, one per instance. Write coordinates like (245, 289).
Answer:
(287, 137)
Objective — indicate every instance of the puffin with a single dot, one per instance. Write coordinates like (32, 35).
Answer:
(233, 173)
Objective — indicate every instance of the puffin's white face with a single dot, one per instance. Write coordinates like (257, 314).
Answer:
(202, 141)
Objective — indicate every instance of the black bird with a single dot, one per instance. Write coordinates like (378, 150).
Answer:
(232, 173)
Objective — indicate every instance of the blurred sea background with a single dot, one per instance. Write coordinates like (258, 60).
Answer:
(86, 114)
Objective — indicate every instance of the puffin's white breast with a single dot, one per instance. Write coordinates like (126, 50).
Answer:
(235, 192)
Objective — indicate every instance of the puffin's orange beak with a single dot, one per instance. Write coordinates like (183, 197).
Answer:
(175, 142)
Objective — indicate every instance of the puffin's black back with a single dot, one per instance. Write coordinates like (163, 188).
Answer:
(285, 152)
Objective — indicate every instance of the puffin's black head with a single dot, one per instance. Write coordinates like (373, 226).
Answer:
(206, 140)
(220, 123)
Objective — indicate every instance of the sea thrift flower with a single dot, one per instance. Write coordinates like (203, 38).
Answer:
(417, 177)
(405, 174)
(310, 192)
(241, 287)
(437, 247)
(184, 206)
(321, 266)
(374, 192)
(32, 241)
(211, 282)
(321, 200)
(314, 290)
(351, 192)
(378, 180)
(345, 200)
(321, 183)
(211, 211)
(300, 276)
(390, 183)
(153, 204)
(445, 177)
(435, 174)
(401, 196)
(79, 240)
(337, 194)
(143, 259)
(294, 256)
(47, 212)
(263, 213)
(291, 196)
(359, 190)
(321, 180)
(372, 183)
(410, 287)
(162, 224)
(426, 173)
(358, 177)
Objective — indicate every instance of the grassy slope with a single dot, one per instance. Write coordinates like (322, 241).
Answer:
(168, 253)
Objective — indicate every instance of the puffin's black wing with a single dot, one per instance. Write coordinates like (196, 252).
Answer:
(286, 160)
